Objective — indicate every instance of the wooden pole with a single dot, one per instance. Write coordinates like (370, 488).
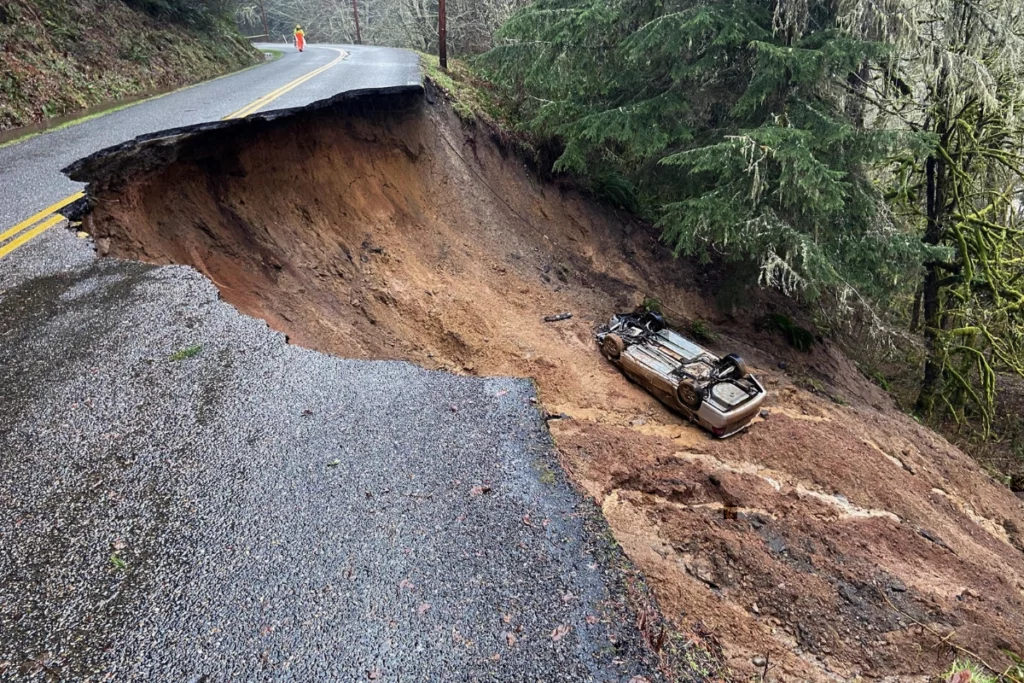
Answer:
(266, 28)
(355, 13)
(442, 35)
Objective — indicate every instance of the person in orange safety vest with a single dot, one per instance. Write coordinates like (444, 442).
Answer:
(300, 38)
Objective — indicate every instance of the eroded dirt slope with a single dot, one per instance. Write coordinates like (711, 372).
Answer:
(837, 540)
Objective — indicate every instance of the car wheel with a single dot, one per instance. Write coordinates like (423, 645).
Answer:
(689, 394)
(612, 346)
(655, 321)
(741, 367)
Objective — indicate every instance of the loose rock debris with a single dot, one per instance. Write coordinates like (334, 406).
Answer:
(285, 242)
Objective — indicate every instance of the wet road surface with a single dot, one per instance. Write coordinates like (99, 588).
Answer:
(30, 170)
(186, 497)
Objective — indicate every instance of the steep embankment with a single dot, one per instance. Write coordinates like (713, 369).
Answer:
(836, 538)
(60, 57)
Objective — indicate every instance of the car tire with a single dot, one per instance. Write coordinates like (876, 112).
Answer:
(688, 394)
(741, 367)
(612, 346)
(655, 321)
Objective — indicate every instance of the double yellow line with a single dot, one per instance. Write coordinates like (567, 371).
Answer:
(37, 224)
(48, 221)
(288, 87)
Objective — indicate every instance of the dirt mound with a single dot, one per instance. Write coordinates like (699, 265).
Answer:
(837, 537)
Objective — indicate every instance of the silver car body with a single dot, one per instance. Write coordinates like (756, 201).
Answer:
(663, 359)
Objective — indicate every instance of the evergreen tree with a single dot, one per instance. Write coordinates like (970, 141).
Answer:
(729, 123)
(853, 147)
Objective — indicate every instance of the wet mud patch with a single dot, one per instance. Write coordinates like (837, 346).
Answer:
(382, 226)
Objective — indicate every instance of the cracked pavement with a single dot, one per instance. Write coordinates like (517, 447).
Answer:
(185, 496)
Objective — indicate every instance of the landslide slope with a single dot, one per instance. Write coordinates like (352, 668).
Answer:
(837, 537)
(58, 57)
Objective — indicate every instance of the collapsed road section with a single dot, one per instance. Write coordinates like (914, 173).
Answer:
(836, 539)
(186, 497)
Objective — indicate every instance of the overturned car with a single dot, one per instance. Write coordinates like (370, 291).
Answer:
(719, 394)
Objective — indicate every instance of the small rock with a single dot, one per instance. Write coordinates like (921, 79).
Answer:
(931, 536)
(702, 570)
(849, 593)
(560, 632)
(758, 661)
(639, 422)
(783, 365)
(765, 414)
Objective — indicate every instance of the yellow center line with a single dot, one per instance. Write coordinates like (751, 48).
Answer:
(51, 220)
(32, 220)
(26, 236)
(286, 88)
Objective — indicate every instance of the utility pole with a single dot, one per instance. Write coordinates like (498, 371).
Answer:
(266, 28)
(442, 35)
(355, 13)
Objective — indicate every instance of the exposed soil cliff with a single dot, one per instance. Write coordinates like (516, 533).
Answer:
(837, 537)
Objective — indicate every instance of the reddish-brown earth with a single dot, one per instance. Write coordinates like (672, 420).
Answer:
(837, 537)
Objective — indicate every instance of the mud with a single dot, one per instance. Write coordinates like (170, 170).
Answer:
(837, 537)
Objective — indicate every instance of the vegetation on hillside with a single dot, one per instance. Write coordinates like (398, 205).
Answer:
(62, 57)
(863, 156)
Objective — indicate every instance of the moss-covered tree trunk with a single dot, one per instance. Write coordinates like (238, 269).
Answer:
(931, 291)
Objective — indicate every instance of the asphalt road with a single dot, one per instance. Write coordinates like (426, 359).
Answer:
(30, 177)
(186, 497)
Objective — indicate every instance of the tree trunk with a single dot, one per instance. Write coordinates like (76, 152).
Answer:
(915, 315)
(930, 384)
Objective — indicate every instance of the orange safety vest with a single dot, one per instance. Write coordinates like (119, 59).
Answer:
(300, 39)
